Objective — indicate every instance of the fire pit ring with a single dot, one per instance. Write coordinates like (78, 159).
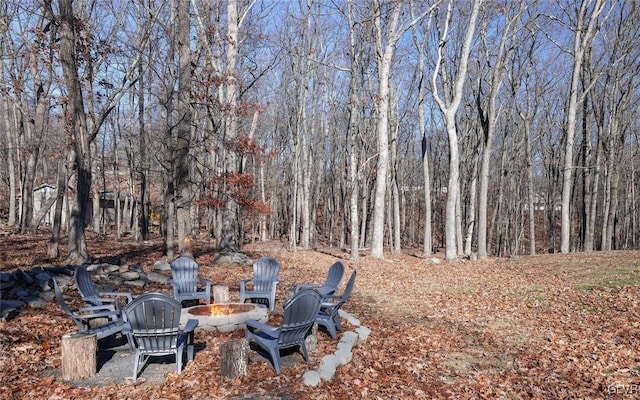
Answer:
(224, 317)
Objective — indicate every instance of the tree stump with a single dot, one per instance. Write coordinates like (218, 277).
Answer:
(234, 358)
(78, 356)
(220, 294)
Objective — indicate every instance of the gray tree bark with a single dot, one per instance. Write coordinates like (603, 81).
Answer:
(585, 31)
(183, 138)
(449, 109)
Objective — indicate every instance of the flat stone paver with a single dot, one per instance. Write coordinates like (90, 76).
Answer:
(115, 365)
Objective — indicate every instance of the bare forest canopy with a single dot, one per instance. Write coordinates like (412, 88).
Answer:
(468, 127)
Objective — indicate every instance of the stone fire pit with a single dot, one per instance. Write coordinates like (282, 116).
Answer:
(224, 317)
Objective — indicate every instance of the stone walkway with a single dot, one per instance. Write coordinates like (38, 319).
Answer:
(115, 361)
(115, 365)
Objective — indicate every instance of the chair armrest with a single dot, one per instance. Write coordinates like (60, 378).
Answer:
(330, 301)
(95, 312)
(112, 300)
(266, 281)
(128, 295)
(331, 297)
(243, 284)
(101, 307)
(191, 325)
(206, 282)
(300, 286)
(126, 328)
(257, 325)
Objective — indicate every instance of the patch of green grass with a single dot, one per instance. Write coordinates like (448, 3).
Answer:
(607, 277)
(532, 294)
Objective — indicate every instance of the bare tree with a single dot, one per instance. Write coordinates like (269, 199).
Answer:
(28, 67)
(77, 128)
(449, 107)
(387, 34)
(83, 134)
(352, 129)
(587, 26)
(183, 128)
(7, 110)
(419, 43)
(496, 63)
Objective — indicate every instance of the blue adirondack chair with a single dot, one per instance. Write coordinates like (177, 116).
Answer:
(91, 319)
(329, 316)
(186, 283)
(300, 312)
(153, 329)
(334, 276)
(264, 282)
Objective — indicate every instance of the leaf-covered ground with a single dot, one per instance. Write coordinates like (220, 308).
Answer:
(548, 327)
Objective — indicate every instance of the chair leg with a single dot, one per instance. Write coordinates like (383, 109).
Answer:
(275, 358)
(190, 349)
(337, 322)
(332, 331)
(136, 364)
(179, 352)
(305, 353)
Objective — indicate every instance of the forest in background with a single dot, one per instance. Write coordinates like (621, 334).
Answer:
(475, 127)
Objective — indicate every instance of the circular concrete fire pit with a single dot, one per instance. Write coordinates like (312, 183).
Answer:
(224, 317)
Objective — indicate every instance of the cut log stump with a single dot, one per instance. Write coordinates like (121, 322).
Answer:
(234, 358)
(78, 356)
(220, 294)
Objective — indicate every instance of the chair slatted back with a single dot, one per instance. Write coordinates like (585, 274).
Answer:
(334, 276)
(87, 288)
(184, 271)
(299, 315)
(155, 322)
(265, 272)
(63, 304)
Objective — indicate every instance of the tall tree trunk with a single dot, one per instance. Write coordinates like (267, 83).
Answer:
(395, 194)
(385, 57)
(183, 142)
(229, 233)
(10, 141)
(584, 34)
(530, 190)
(352, 137)
(449, 110)
(489, 113)
(26, 214)
(143, 176)
(471, 207)
(77, 127)
(53, 249)
(427, 247)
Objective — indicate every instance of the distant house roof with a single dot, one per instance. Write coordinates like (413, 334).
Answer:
(45, 186)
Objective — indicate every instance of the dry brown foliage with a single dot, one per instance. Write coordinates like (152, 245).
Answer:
(549, 326)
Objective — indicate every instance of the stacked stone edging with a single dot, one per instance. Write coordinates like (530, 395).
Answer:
(30, 288)
(341, 356)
